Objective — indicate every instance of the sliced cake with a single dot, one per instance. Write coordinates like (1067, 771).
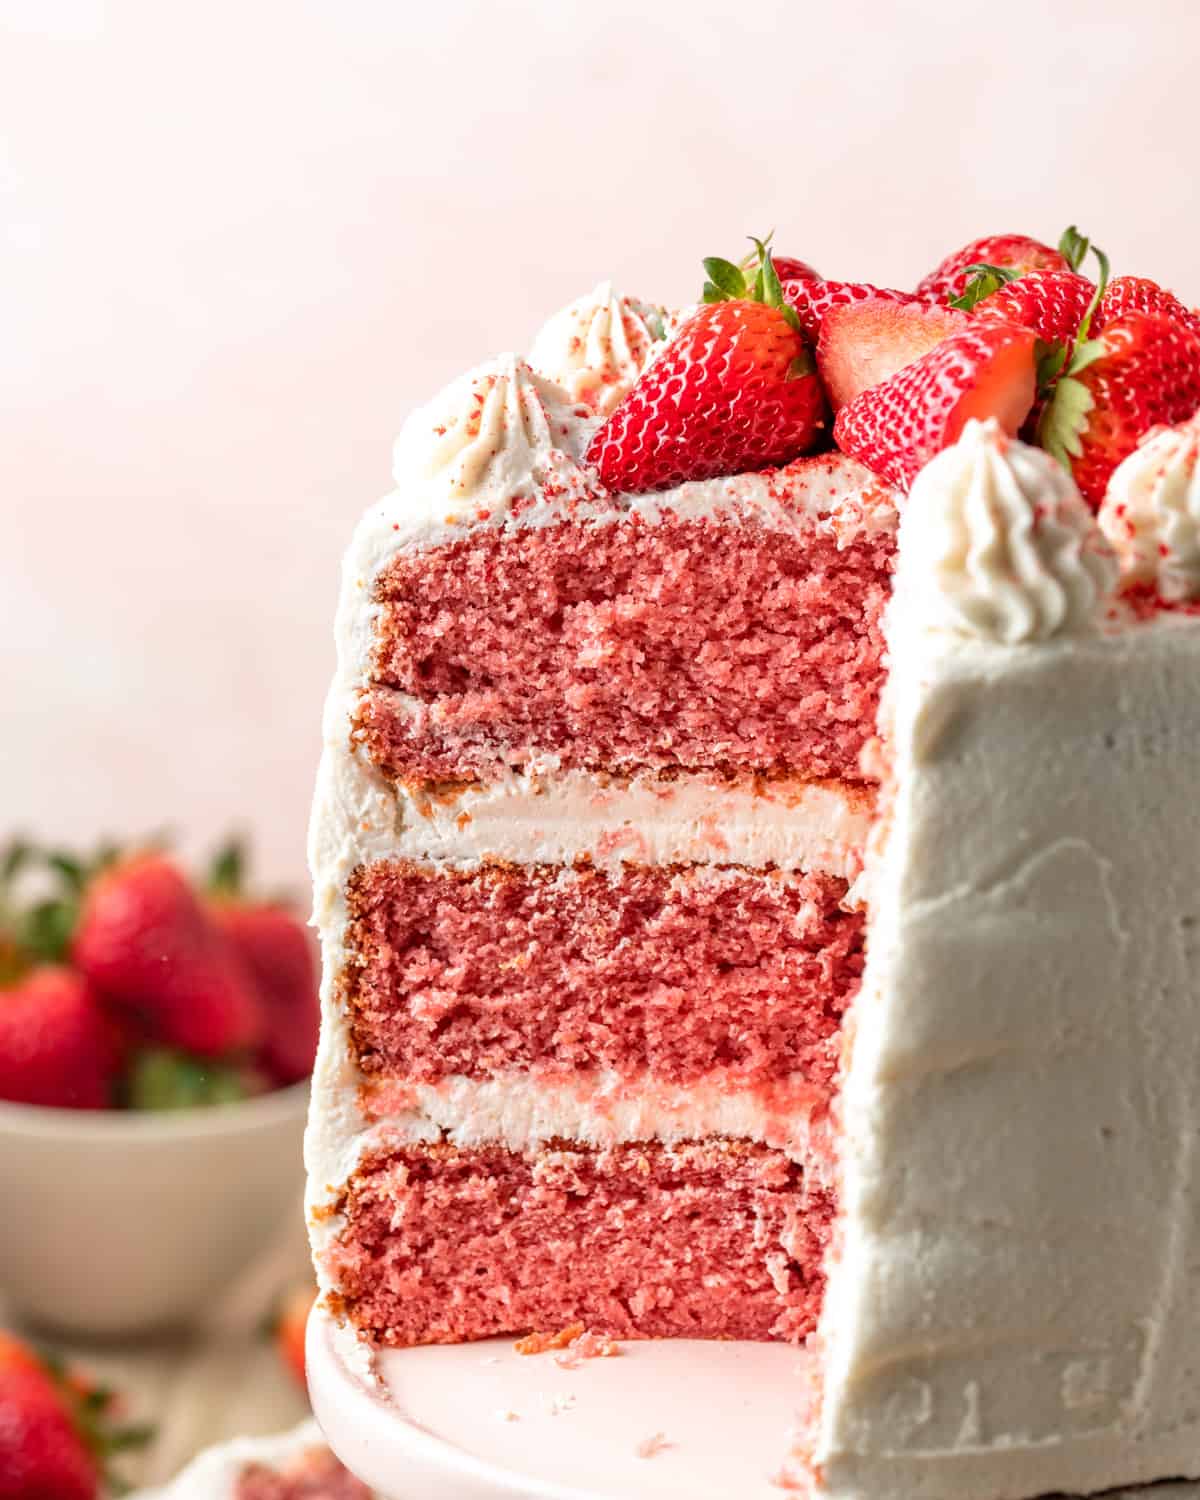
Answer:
(758, 901)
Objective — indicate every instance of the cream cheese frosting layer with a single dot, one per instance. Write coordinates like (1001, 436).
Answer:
(1016, 1305)
(522, 1112)
(561, 817)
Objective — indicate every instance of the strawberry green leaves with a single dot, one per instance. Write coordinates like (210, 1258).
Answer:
(982, 281)
(729, 283)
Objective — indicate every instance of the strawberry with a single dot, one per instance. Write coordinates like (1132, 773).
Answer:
(863, 343)
(1052, 303)
(55, 1045)
(896, 428)
(735, 389)
(147, 942)
(1141, 370)
(1138, 294)
(276, 951)
(1014, 252)
(55, 1432)
(812, 300)
(787, 268)
(289, 1325)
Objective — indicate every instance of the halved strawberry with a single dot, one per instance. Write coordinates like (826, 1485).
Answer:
(863, 343)
(895, 428)
(735, 389)
(1143, 369)
(1127, 294)
(1013, 252)
(812, 300)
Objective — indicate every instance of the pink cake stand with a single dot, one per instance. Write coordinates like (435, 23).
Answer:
(479, 1421)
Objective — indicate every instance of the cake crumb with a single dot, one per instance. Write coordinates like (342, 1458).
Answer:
(508, 1415)
(491, 1359)
(588, 1345)
(560, 1403)
(653, 1445)
(539, 1343)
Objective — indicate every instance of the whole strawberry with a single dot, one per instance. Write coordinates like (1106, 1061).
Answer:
(735, 389)
(895, 428)
(1142, 370)
(56, 1048)
(788, 268)
(147, 942)
(1012, 252)
(55, 1431)
(811, 301)
(276, 951)
(290, 1325)
(1126, 294)
(1052, 303)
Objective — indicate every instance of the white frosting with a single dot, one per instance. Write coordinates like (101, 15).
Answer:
(601, 1108)
(488, 439)
(1151, 513)
(998, 544)
(598, 346)
(559, 818)
(1015, 1308)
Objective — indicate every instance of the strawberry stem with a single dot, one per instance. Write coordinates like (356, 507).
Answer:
(227, 873)
(1101, 284)
(1073, 247)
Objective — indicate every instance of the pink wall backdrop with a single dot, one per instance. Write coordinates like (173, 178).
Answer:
(239, 240)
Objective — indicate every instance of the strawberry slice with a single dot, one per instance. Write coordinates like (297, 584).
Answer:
(1141, 371)
(864, 343)
(812, 300)
(1128, 294)
(735, 389)
(985, 371)
(1012, 252)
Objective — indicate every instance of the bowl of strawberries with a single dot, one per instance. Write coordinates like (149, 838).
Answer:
(157, 1033)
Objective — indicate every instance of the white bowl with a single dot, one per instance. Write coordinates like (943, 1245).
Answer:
(120, 1224)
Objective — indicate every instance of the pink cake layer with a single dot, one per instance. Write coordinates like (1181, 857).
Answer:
(709, 1239)
(314, 1475)
(667, 971)
(692, 644)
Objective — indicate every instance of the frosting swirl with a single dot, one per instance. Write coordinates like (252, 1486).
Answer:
(490, 435)
(1151, 513)
(597, 346)
(996, 543)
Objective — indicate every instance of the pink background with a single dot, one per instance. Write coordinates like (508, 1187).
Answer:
(239, 240)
